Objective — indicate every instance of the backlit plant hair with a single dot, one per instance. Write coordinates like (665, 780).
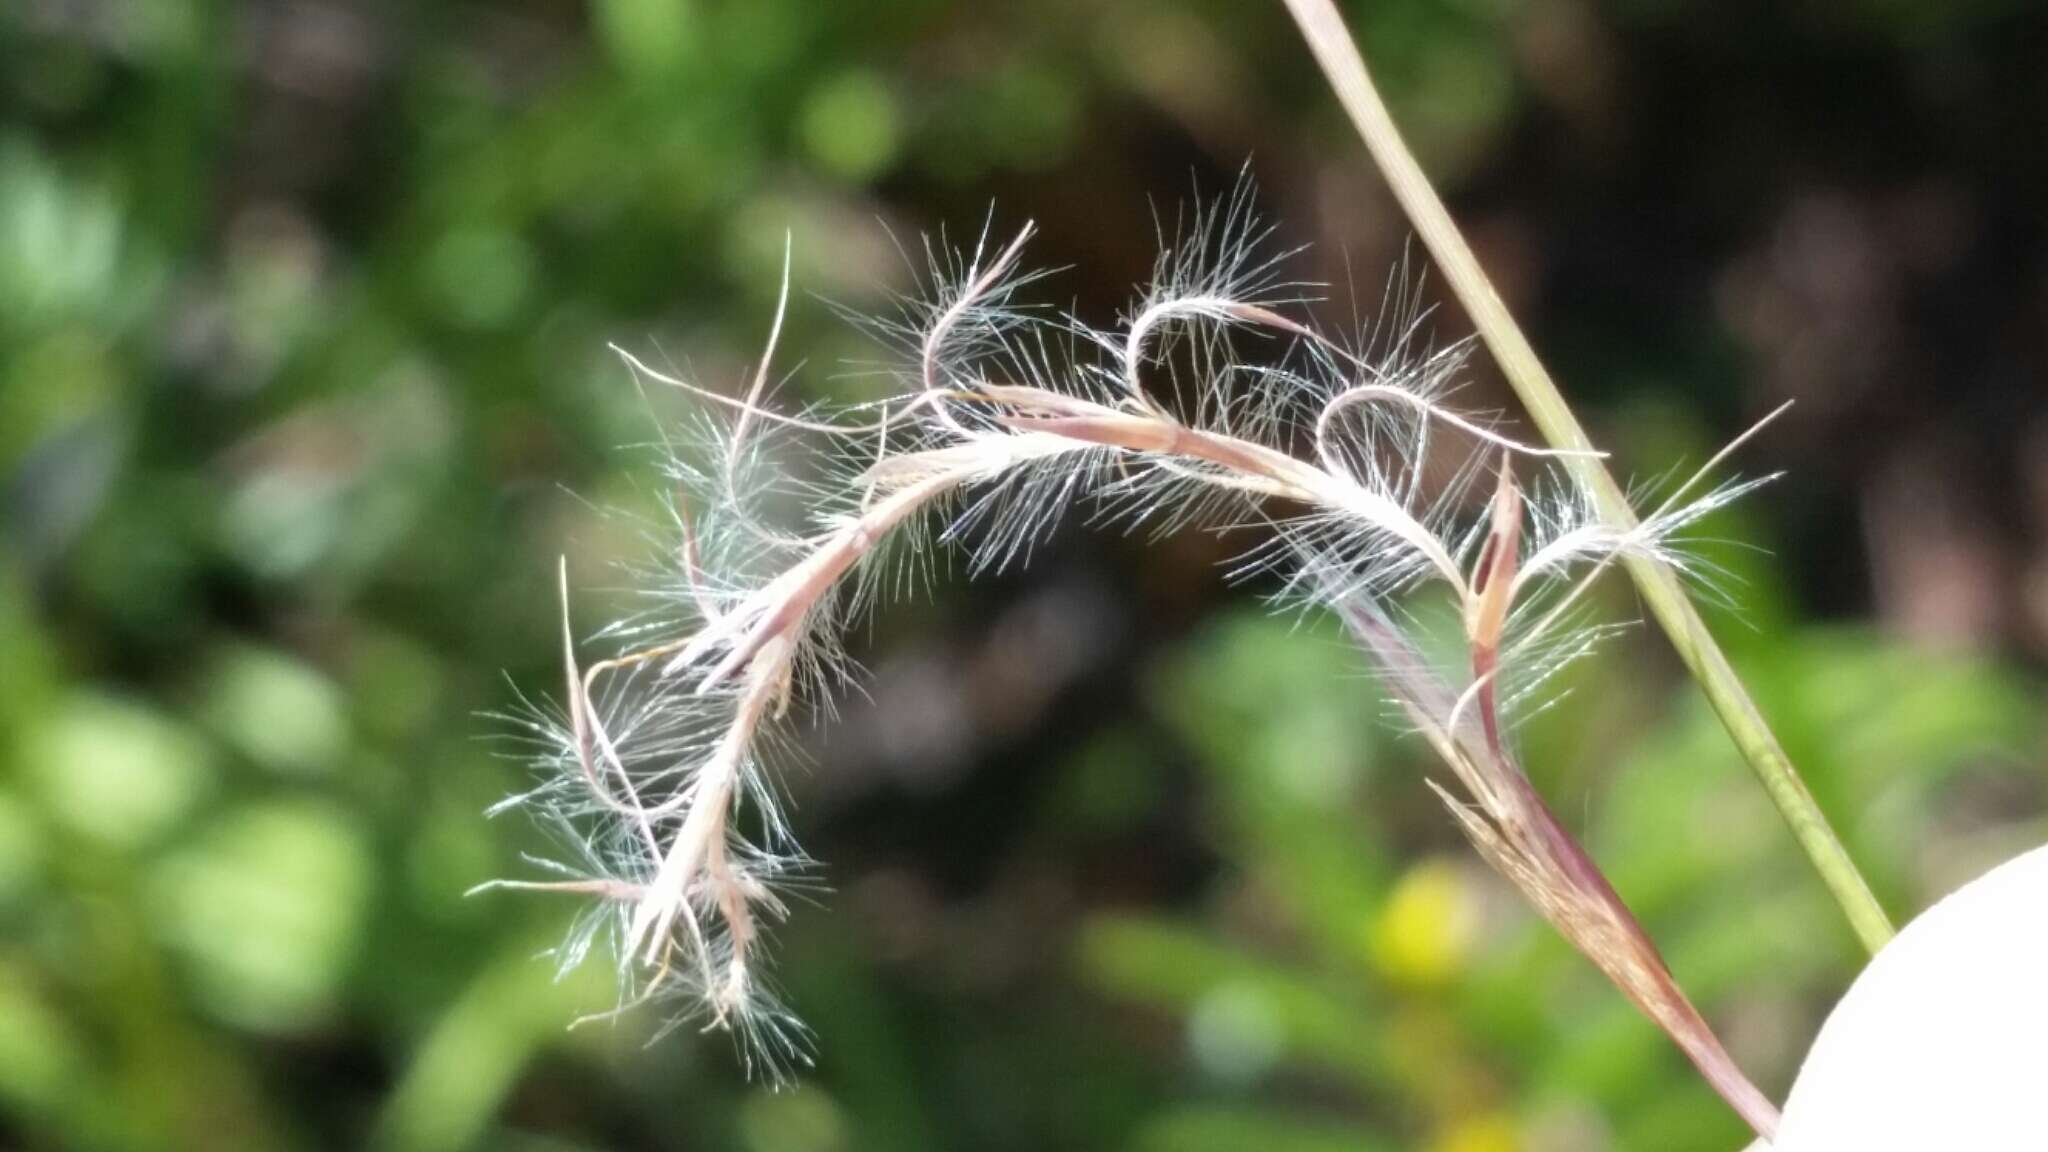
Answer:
(1215, 401)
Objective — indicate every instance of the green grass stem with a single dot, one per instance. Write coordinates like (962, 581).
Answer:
(1323, 27)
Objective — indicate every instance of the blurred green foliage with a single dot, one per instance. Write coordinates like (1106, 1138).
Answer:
(303, 322)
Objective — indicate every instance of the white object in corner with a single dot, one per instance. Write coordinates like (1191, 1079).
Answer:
(1941, 1045)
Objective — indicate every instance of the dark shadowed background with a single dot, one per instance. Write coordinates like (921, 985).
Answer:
(304, 385)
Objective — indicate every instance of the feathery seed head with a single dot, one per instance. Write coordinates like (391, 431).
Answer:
(1364, 481)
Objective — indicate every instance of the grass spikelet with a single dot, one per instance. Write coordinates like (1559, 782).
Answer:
(1369, 488)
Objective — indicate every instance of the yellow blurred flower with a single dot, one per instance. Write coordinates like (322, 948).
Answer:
(1493, 1132)
(1424, 935)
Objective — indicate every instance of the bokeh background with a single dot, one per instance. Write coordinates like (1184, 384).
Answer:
(304, 385)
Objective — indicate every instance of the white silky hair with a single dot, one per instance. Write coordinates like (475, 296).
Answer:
(1215, 402)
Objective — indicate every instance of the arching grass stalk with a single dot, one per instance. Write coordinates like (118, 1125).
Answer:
(656, 770)
(1661, 589)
